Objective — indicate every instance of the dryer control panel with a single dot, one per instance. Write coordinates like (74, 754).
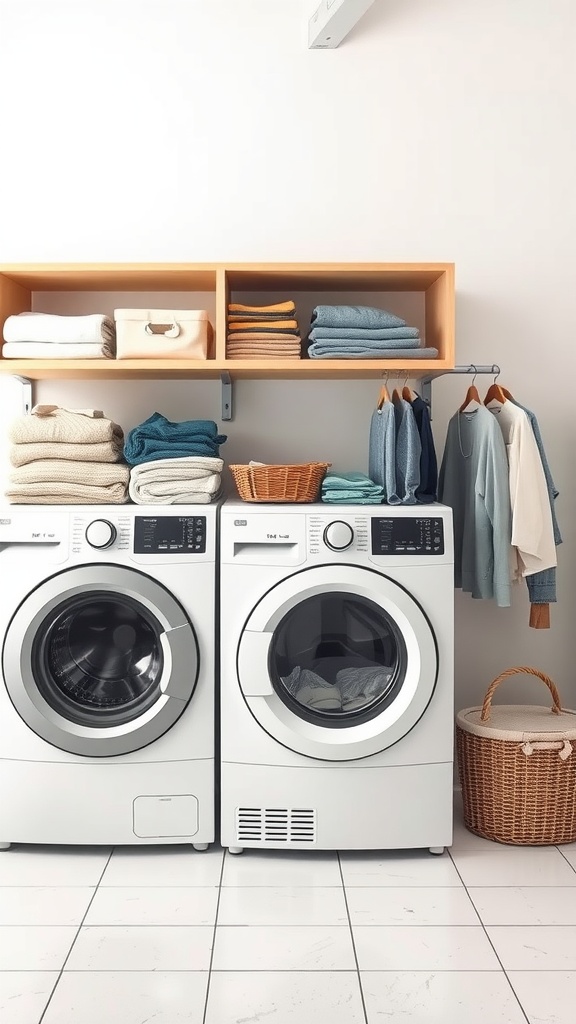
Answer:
(169, 534)
(407, 536)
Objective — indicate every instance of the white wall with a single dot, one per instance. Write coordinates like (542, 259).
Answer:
(206, 130)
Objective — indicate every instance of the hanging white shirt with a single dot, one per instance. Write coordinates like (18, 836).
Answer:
(532, 530)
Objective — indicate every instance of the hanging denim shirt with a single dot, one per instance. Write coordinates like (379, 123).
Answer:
(382, 452)
(408, 452)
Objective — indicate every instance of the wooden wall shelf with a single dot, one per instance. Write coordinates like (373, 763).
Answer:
(433, 283)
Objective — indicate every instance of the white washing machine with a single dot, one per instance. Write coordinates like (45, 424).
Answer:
(107, 627)
(337, 677)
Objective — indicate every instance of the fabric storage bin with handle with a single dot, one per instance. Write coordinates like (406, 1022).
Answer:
(517, 766)
(161, 333)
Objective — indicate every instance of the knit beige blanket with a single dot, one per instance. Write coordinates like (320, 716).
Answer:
(49, 423)
(103, 451)
(57, 482)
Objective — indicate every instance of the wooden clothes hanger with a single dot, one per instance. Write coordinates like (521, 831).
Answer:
(496, 393)
(472, 396)
(384, 395)
(407, 393)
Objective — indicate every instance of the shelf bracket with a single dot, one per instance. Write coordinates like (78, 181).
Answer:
(227, 396)
(426, 382)
(18, 395)
(333, 20)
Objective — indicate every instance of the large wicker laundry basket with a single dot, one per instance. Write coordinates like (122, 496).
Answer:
(517, 766)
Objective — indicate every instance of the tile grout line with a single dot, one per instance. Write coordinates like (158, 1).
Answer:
(67, 957)
(213, 939)
(505, 973)
(561, 852)
(364, 1010)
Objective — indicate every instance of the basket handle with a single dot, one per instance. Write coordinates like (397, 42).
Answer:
(519, 670)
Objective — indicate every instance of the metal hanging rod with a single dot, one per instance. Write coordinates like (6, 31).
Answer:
(426, 382)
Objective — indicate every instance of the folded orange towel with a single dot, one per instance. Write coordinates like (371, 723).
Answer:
(239, 353)
(264, 355)
(264, 337)
(275, 307)
(268, 325)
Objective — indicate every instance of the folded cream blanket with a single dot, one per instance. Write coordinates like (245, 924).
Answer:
(105, 451)
(66, 494)
(99, 473)
(95, 329)
(57, 482)
(176, 481)
(53, 350)
(52, 423)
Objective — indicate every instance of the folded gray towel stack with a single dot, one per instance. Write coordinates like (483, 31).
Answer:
(363, 332)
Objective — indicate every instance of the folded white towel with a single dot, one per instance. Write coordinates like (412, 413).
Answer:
(50, 327)
(191, 480)
(52, 350)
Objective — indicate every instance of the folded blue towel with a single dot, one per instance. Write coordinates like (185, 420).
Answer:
(351, 489)
(352, 497)
(354, 316)
(347, 481)
(363, 333)
(364, 344)
(159, 438)
(319, 351)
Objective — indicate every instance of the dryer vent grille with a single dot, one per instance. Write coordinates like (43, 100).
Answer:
(275, 825)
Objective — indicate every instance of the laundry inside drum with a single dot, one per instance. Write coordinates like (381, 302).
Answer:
(337, 656)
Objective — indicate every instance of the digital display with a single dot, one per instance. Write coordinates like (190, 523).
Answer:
(156, 535)
(407, 536)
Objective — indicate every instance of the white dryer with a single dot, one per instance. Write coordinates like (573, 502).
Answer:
(337, 676)
(107, 632)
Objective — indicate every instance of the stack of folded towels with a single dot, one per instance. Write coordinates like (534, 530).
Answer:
(351, 489)
(66, 457)
(174, 463)
(48, 336)
(362, 332)
(263, 332)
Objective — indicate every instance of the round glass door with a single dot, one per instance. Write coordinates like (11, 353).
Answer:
(337, 658)
(100, 660)
(97, 659)
(337, 662)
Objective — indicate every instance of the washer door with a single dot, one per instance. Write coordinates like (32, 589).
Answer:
(337, 662)
(100, 660)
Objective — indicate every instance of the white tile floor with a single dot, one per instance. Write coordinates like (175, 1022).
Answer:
(167, 935)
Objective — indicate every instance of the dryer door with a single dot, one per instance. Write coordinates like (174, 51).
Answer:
(337, 662)
(100, 660)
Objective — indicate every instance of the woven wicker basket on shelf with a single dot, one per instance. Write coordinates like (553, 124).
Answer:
(280, 483)
(517, 767)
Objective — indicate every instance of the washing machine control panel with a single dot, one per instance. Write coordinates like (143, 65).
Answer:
(339, 533)
(407, 536)
(158, 535)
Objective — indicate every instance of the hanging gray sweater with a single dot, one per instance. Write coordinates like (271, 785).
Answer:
(474, 482)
